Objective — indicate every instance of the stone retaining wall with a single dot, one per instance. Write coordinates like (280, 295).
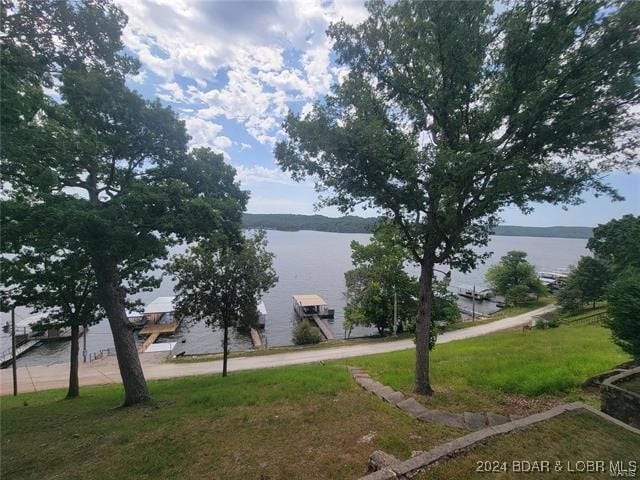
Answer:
(619, 402)
(412, 466)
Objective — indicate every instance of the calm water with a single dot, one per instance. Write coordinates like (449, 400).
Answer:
(309, 262)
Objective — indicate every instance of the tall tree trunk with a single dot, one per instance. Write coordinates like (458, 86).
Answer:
(423, 328)
(74, 384)
(111, 297)
(225, 348)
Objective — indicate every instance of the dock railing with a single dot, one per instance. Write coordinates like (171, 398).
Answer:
(105, 352)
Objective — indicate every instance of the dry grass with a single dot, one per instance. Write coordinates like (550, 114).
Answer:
(566, 439)
(309, 422)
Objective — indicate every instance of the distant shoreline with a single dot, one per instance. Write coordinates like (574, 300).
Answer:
(354, 224)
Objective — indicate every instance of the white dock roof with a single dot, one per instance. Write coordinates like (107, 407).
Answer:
(30, 320)
(309, 300)
(160, 305)
(262, 309)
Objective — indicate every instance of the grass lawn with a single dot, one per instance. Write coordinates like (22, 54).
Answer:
(568, 438)
(524, 308)
(300, 422)
(507, 372)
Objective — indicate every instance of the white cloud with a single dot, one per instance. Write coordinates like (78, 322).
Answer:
(259, 174)
(247, 41)
(172, 92)
(206, 134)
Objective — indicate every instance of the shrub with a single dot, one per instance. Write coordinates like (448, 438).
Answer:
(547, 320)
(305, 333)
(624, 311)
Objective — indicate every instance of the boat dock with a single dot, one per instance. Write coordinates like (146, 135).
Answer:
(313, 307)
(7, 356)
(553, 280)
(472, 293)
(160, 320)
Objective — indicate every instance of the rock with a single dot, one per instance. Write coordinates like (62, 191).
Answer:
(379, 460)
(368, 438)
(475, 421)
(596, 381)
(394, 397)
(411, 406)
(453, 420)
(495, 419)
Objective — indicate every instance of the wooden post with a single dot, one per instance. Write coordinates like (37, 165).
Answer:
(473, 308)
(395, 312)
(13, 352)
(84, 343)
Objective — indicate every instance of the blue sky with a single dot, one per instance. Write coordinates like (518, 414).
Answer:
(232, 69)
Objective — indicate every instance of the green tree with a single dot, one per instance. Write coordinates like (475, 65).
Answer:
(571, 297)
(380, 277)
(616, 242)
(592, 277)
(221, 284)
(451, 112)
(624, 311)
(103, 167)
(59, 284)
(514, 278)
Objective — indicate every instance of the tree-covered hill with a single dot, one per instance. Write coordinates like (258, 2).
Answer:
(354, 224)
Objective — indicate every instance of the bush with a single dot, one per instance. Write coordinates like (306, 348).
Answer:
(548, 320)
(305, 333)
(624, 311)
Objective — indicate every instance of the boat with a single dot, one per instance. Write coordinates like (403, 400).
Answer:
(471, 292)
(553, 280)
(137, 319)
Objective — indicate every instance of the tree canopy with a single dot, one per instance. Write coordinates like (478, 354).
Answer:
(514, 278)
(379, 278)
(450, 112)
(60, 285)
(102, 167)
(587, 283)
(616, 242)
(221, 283)
(624, 311)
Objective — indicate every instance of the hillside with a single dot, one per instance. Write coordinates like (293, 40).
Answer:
(353, 224)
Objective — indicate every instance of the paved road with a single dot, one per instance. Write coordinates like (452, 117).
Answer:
(105, 371)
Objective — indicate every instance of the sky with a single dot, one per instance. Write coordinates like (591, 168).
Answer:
(233, 69)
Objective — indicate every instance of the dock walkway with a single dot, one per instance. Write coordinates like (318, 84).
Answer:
(154, 330)
(324, 327)
(7, 356)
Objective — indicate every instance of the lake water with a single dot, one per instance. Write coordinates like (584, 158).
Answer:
(308, 262)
